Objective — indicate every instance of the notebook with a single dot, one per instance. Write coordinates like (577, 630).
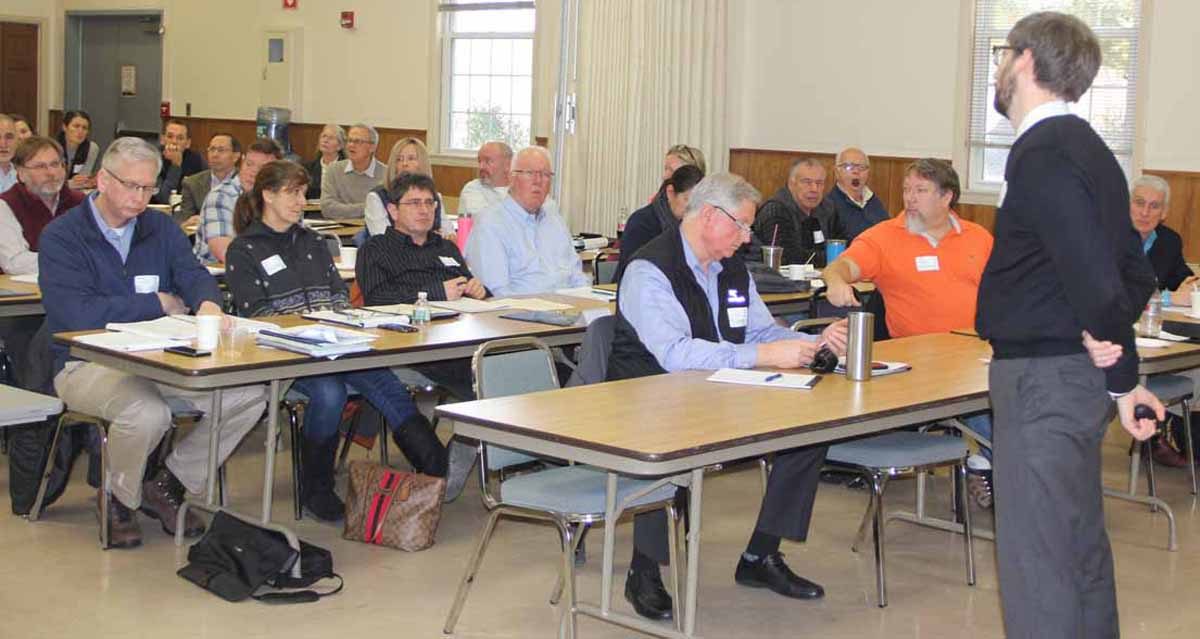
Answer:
(127, 342)
(764, 378)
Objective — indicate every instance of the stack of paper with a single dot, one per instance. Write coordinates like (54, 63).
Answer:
(532, 304)
(360, 317)
(317, 341)
(127, 342)
(589, 293)
(181, 327)
(469, 305)
(877, 368)
(764, 378)
(30, 278)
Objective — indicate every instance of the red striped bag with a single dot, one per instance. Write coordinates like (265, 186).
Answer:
(393, 508)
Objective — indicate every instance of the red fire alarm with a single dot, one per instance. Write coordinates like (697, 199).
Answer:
(291, 4)
(164, 109)
(347, 19)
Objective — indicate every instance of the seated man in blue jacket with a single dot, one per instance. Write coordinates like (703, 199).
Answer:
(112, 260)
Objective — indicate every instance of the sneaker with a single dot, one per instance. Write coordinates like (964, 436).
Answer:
(123, 528)
(979, 487)
(162, 496)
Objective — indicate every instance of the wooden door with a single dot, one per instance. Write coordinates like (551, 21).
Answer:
(19, 70)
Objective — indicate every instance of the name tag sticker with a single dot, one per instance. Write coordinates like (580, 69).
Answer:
(818, 237)
(273, 264)
(738, 316)
(449, 261)
(927, 263)
(145, 284)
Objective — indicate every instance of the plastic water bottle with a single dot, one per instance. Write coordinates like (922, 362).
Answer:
(421, 313)
(1151, 324)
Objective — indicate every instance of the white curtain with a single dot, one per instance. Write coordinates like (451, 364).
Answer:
(651, 73)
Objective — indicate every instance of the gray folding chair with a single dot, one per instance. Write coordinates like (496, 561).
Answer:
(881, 457)
(570, 497)
(604, 267)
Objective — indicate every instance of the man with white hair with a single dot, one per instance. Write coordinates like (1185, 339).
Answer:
(1148, 209)
(490, 188)
(110, 259)
(522, 245)
(687, 302)
(858, 208)
(345, 184)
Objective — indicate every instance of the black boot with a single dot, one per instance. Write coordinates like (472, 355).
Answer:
(421, 446)
(316, 482)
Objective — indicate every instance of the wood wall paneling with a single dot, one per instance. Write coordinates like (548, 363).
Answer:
(19, 70)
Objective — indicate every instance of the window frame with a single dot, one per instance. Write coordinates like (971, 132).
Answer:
(444, 115)
(973, 152)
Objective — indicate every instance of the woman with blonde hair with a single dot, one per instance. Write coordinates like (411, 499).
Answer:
(331, 147)
(408, 155)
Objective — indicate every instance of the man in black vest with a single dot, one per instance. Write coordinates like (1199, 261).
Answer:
(1066, 263)
(686, 302)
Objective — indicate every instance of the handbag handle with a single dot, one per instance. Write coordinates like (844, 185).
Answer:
(392, 486)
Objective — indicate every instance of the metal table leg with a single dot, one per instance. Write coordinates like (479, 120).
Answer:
(272, 435)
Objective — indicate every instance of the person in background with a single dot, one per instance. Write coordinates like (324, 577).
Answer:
(22, 126)
(491, 187)
(40, 196)
(857, 206)
(215, 231)
(111, 259)
(798, 218)
(80, 153)
(345, 183)
(224, 153)
(687, 302)
(277, 266)
(1148, 206)
(662, 213)
(523, 245)
(681, 154)
(8, 146)
(179, 160)
(331, 147)
(1066, 266)
(408, 155)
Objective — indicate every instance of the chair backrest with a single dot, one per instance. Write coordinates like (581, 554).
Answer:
(334, 244)
(594, 352)
(506, 367)
(604, 267)
(874, 304)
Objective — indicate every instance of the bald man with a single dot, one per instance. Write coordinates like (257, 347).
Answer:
(491, 187)
(857, 205)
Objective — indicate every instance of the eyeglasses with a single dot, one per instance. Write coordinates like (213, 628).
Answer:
(542, 175)
(141, 190)
(742, 226)
(851, 167)
(46, 166)
(998, 52)
(358, 141)
(425, 204)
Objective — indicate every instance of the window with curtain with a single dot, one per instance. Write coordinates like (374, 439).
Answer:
(1108, 105)
(487, 73)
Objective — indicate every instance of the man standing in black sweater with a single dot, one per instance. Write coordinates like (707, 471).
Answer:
(1066, 264)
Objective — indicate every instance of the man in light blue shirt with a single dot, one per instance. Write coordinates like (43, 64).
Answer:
(687, 302)
(215, 230)
(523, 246)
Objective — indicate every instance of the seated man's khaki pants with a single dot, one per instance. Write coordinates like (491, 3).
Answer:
(139, 413)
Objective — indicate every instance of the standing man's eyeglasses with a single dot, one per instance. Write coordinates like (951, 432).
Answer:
(998, 52)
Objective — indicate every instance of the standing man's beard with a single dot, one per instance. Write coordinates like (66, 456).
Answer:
(1004, 93)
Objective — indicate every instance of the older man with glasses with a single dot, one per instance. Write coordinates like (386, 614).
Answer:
(110, 259)
(858, 208)
(345, 183)
(523, 245)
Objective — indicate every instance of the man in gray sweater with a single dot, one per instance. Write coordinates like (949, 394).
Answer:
(345, 184)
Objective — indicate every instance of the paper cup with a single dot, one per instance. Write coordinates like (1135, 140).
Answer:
(349, 254)
(208, 332)
(1196, 303)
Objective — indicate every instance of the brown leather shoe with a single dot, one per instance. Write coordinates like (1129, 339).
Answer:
(1163, 453)
(123, 528)
(161, 497)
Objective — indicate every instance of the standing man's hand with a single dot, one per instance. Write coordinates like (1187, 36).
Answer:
(840, 293)
(1103, 354)
(1141, 429)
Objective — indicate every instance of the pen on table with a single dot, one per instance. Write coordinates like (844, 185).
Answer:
(771, 378)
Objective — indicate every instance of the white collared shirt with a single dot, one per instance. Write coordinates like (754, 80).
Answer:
(867, 195)
(370, 172)
(1041, 112)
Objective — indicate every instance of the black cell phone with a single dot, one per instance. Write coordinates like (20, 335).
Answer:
(400, 328)
(187, 351)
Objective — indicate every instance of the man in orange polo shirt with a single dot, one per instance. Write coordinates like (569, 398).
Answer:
(927, 264)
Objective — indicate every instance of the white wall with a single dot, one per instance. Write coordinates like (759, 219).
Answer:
(820, 76)
(1172, 99)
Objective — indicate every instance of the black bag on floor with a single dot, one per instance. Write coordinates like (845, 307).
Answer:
(236, 560)
(28, 447)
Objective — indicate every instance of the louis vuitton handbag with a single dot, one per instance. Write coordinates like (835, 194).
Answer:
(388, 507)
